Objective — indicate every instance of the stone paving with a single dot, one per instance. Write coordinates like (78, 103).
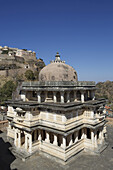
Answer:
(104, 161)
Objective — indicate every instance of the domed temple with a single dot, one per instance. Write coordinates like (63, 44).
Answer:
(57, 115)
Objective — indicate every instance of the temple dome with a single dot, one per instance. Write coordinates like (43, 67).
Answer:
(57, 70)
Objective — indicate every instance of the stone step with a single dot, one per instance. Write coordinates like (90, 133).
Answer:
(19, 153)
(101, 147)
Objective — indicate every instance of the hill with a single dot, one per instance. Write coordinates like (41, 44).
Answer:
(15, 62)
(105, 90)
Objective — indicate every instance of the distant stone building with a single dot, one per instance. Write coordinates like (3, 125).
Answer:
(15, 52)
(57, 115)
(15, 61)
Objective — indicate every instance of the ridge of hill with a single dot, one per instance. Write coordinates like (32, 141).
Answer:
(105, 90)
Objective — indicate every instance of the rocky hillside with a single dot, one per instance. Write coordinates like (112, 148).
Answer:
(105, 90)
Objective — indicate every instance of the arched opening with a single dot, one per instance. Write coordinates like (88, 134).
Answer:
(59, 140)
(51, 138)
(65, 97)
(89, 95)
(86, 96)
(22, 138)
(58, 97)
(73, 137)
(43, 135)
(78, 95)
(71, 96)
(98, 134)
(88, 133)
(50, 95)
(37, 135)
(42, 96)
(67, 140)
(33, 136)
(79, 134)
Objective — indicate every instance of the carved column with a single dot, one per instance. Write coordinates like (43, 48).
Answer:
(39, 136)
(82, 96)
(76, 137)
(15, 138)
(95, 138)
(54, 97)
(26, 142)
(62, 97)
(45, 95)
(82, 134)
(71, 142)
(75, 96)
(55, 140)
(39, 97)
(63, 145)
(85, 133)
(92, 136)
(47, 137)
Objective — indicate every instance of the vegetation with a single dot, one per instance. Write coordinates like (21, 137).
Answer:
(29, 75)
(6, 91)
(105, 90)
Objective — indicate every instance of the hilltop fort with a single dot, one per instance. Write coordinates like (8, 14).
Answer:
(14, 61)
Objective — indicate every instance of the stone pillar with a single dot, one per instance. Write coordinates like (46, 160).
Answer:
(82, 137)
(82, 96)
(85, 133)
(55, 140)
(39, 97)
(47, 137)
(45, 95)
(19, 139)
(68, 97)
(62, 97)
(30, 142)
(26, 142)
(92, 95)
(95, 138)
(23, 95)
(75, 96)
(15, 138)
(92, 136)
(54, 97)
(63, 145)
(92, 113)
(39, 136)
(71, 142)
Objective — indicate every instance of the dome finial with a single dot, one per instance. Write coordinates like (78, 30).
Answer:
(57, 57)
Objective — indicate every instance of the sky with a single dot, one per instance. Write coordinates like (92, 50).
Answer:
(80, 30)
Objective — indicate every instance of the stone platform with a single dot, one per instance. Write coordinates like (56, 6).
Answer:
(104, 161)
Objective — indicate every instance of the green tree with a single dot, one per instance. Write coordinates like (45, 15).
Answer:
(29, 75)
(6, 91)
